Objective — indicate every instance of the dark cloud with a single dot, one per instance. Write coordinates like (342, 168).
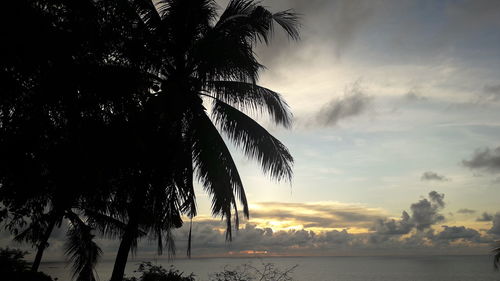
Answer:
(453, 233)
(437, 198)
(353, 103)
(394, 227)
(424, 214)
(495, 228)
(466, 211)
(208, 240)
(485, 159)
(485, 217)
(432, 176)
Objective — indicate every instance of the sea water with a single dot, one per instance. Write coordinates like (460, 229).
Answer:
(411, 268)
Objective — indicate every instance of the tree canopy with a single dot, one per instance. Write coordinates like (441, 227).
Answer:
(111, 110)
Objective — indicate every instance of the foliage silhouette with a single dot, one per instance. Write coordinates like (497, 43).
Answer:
(247, 272)
(13, 267)
(207, 58)
(150, 272)
(61, 114)
(103, 122)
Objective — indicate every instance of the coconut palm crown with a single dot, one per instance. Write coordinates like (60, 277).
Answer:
(206, 58)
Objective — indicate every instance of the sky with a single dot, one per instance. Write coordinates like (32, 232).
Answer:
(395, 137)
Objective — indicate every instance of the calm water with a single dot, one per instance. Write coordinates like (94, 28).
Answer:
(428, 268)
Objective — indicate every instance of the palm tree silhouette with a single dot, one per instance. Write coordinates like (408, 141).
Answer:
(203, 59)
(103, 121)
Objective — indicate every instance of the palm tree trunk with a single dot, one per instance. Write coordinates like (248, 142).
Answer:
(124, 249)
(43, 244)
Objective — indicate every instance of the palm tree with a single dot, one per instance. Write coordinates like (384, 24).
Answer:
(83, 251)
(203, 59)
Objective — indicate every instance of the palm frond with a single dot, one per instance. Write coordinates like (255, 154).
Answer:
(235, 8)
(247, 96)
(183, 22)
(496, 257)
(106, 225)
(205, 10)
(255, 140)
(33, 232)
(247, 20)
(39, 226)
(216, 169)
(83, 251)
(164, 217)
(147, 12)
(253, 22)
(289, 21)
(183, 176)
(188, 251)
(219, 56)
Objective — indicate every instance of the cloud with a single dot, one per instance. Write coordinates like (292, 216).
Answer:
(313, 228)
(424, 214)
(485, 217)
(333, 22)
(414, 96)
(432, 176)
(353, 103)
(466, 211)
(394, 227)
(485, 159)
(490, 93)
(347, 19)
(467, 17)
(453, 233)
(410, 231)
(437, 198)
(346, 25)
(254, 237)
(207, 240)
(495, 228)
(322, 215)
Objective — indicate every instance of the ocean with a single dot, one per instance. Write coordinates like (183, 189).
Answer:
(411, 268)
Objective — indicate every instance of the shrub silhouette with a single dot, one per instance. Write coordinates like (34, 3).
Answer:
(150, 272)
(13, 267)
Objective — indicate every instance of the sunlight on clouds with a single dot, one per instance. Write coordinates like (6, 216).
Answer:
(318, 217)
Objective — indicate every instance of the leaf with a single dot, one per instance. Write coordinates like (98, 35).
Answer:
(255, 141)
